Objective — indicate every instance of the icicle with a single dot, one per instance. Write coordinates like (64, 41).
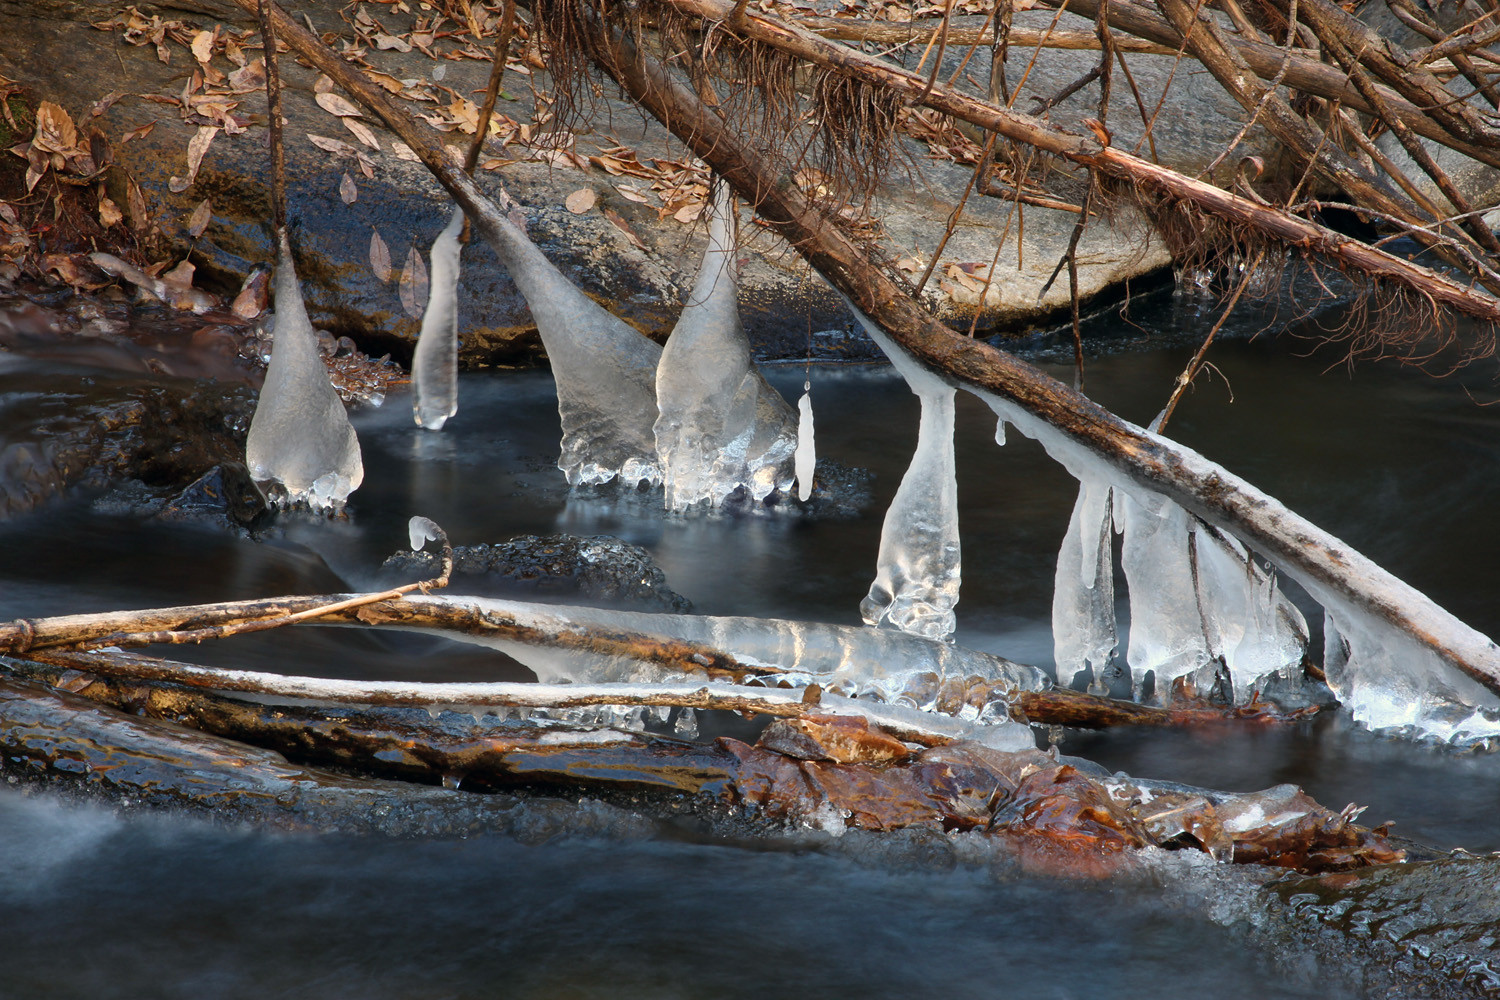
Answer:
(1246, 618)
(1389, 681)
(605, 369)
(918, 570)
(1166, 628)
(1083, 600)
(300, 435)
(434, 369)
(721, 426)
(806, 458)
(1000, 431)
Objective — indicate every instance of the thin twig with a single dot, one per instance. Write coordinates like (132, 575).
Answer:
(1191, 371)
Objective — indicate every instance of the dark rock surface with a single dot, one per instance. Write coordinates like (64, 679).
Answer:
(599, 568)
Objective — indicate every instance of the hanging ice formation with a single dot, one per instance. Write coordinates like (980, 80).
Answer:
(1197, 597)
(918, 569)
(300, 436)
(805, 459)
(1083, 598)
(720, 427)
(434, 367)
(605, 370)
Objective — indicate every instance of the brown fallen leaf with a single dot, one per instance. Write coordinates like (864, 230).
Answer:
(361, 132)
(632, 194)
(137, 133)
(109, 213)
(380, 256)
(404, 152)
(197, 147)
(335, 104)
(252, 298)
(385, 41)
(580, 201)
(135, 204)
(414, 285)
(198, 222)
(624, 227)
(54, 130)
(248, 78)
(203, 46)
(323, 85)
(331, 145)
(347, 191)
(104, 103)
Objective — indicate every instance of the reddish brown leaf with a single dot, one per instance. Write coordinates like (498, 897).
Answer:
(414, 285)
(198, 222)
(347, 191)
(380, 256)
(580, 201)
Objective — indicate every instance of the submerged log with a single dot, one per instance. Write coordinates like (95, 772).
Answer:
(853, 776)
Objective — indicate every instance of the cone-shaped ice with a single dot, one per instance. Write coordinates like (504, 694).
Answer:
(1083, 599)
(605, 370)
(720, 427)
(918, 570)
(300, 435)
(434, 366)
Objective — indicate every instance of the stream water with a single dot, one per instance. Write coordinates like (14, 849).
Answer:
(1402, 466)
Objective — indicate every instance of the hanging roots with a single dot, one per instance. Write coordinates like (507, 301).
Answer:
(855, 123)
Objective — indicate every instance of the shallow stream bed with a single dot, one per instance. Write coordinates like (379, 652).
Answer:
(1403, 467)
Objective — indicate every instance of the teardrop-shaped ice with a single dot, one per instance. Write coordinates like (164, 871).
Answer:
(720, 427)
(300, 436)
(806, 457)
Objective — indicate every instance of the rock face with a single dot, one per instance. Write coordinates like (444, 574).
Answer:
(598, 568)
(626, 249)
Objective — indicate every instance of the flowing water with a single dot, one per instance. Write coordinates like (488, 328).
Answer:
(1401, 466)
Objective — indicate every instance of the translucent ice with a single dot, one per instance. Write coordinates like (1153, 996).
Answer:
(1247, 621)
(300, 435)
(1083, 599)
(1166, 625)
(1389, 681)
(720, 427)
(422, 530)
(605, 370)
(806, 458)
(434, 368)
(918, 570)
(890, 666)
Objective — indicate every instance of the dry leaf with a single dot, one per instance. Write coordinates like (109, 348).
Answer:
(414, 285)
(197, 147)
(910, 265)
(404, 152)
(624, 227)
(198, 222)
(330, 145)
(203, 46)
(385, 80)
(104, 103)
(347, 191)
(380, 256)
(580, 201)
(334, 104)
(632, 194)
(384, 41)
(361, 132)
(137, 133)
(689, 212)
(135, 204)
(248, 78)
(54, 129)
(323, 85)
(109, 213)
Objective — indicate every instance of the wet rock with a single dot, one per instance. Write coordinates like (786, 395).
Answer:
(600, 568)
(635, 260)
(63, 429)
(226, 492)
